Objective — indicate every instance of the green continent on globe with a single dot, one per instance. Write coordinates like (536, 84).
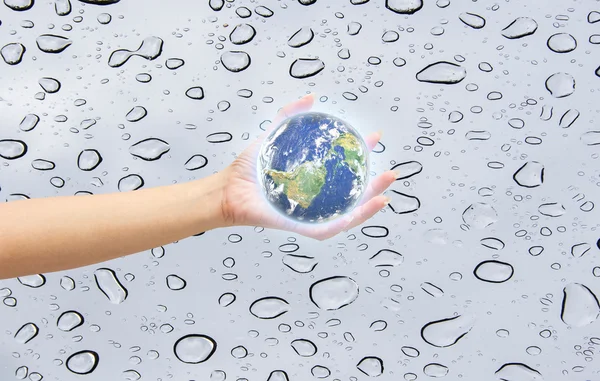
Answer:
(303, 184)
(351, 146)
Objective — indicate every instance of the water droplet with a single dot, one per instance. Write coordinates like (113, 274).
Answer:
(302, 37)
(320, 371)
(580, 249)
(21, 372)
(568, 118)
(89, 159)
(226, 299)
(175, 282)
(131, 375)
(69, 320)
(410, 351)
(194, 349)
(29, 122)
(516, 123)
(149, 149)
(386, 258)
(196, 162)
(435, 370)
(304, 347)
(579, 305)
(562, 43)
(473, 20)
(306, 67)
(67, 283)
(196, 92)
(12, 149)
(591, 138)
(480, 215)
(50, 85)
(83, 362)
(390, 36)
(432, 289)
(235, 61)
(492, 243)
(263, 11)
(12, 53)
(552, 209)
(62, 7)
(136, 114)
(354, 28)
(520, 27)
(442, 72)
(530, 175)
(407, 169)
(219, 137)
(216, 5)
(593, 17)
(300, 263)
(333, 293)
(33, 281)
(109, 284)
(405, 7)
(50, 43)
(375, 231)
(150, 49)
(402, 203)
(26, 333)
(104, 18)
(174, 63)
(478, 135)
(269, 307)
(447, 332)
(493, 271)
(455, 116)
(371, 366)
(130, 183)
(242, 34)
(399, 62)
(518, 372)
(485, 67)
(560, 85)
(243, 12)
(276, 375)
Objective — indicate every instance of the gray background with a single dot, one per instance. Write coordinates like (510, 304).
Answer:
(434, 240)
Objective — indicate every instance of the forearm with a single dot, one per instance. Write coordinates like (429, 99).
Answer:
(51, 234)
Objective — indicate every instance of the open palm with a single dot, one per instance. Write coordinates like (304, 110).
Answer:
(244, 204)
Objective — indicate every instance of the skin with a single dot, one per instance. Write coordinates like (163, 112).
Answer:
(58, 233)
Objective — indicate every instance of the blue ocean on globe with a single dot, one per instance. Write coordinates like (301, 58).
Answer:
(313, 167)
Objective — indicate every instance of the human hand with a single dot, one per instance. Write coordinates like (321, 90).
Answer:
(244, 204)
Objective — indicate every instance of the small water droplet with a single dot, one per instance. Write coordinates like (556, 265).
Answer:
(269, 307)
(83, 362)
(194, 349)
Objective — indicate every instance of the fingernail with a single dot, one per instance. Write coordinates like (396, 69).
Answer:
(387, 200)
(308, 96)
(397, 173)
(380, 132)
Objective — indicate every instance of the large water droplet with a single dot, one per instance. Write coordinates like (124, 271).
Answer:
(333, 293)
(408, 169)
(226, 299)
(29, 122)
(473, 20)
(12, 53)
(480, 215)
(306, 67)
(69, 320)
(579, 306)
(49, 85)
(19, 5)
(552, 209)
(83, 362)
(442, 72)
(518, 372)
(371, 366)
(354, 28)
(386, 258)
(50, 43)
(216, 5)
(402, 203)
(580, 249)
(591, 138)
(43, 165)
(530, 175)
(492, 243)
(33, 281)
(560, 85)
(130, 183)
(196, 162)
(67, 283)
(300, 263)
(304, 347)
(593, 17)
(562, 43)
(149, 149)
(269, 307)
(196, 93)
(263, 11)
(242, 34)
(435, 370)
(175, 282)
(174, 63)
(446, 332)
(109, 284)
(89, 159)
(406, 7)
(302, 37)
(278, 375)
(21, 372)
(12, 149)
(493, 271)
(26, 333)
(194, 349)
(520, 27)
(320, 371)
(568, 118)
(235, 61)
(150, 49)
(62, 7)
(136, 114)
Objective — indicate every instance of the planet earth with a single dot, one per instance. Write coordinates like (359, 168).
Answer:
(313, 167)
